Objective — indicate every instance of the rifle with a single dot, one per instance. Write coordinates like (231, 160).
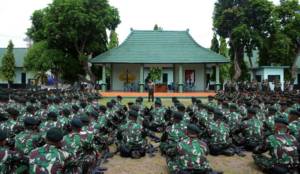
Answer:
(151, 135)
(150, 149)
(98, 169)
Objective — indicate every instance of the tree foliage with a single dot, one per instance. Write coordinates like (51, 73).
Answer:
(245, 23)
(215, 44)
(77, 29)
(8, 64)
(113, 40)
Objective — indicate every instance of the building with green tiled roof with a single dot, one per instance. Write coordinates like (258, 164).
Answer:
(183, 61)
(21, 77)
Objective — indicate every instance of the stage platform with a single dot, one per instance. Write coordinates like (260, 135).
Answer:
(113, 94)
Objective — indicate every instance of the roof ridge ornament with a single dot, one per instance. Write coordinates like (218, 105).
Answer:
(188, 30)
(131, 29)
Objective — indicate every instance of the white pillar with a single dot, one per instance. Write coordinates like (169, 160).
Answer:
(141, 78)
(180, 80)
(104, 77)
(217, 77)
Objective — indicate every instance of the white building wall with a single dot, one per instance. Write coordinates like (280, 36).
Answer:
(118, 69)
(18, 76)
(199, 75)
(265, 72)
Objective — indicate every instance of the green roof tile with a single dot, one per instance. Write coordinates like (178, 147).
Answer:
(19, 54)
(159, 47)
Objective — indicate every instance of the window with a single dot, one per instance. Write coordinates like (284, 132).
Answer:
(273, 78)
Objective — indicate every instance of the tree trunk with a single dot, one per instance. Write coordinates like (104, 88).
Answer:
(294, 67)
(237, 69)
(89, 72)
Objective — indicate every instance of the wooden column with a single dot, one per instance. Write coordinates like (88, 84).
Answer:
(142, 83)
(217, 77)
(103, 77)
(180, 78)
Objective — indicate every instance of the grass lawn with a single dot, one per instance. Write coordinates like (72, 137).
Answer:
(157, 164)
(166, 102)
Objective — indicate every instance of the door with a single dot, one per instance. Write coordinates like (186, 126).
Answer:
(23, 78)
(165, 78)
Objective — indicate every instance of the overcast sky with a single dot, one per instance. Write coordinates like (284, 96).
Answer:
(195, 15)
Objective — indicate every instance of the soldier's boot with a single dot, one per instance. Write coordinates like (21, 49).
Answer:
(263, 162)
(228, 151)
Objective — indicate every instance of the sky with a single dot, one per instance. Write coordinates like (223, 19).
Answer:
(195, 15)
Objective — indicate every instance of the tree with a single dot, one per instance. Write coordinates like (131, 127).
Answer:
(215, 44)
(245, 23)
(8, 64)
(289, 16)
(157, 28)
(77, 28)
(41, 59)
(113, 40)
(224, 68)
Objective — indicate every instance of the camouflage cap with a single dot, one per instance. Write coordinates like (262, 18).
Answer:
(3, 116)
(12, 112)
(181, 107)
(193, 99)
(135, 108)
(30, 121)
(178, 115)
(133, 114)
(294, 113)
(3, 135)
(52, 115)
(252, 111)
(113, 101)
(233, 106)
(54, 135)
(272, 109)
(192, 128)
(157, 102)
(102, 108)
(109, 105)
(76, 123)
(281, 120)
(119, 97)
(84, 118)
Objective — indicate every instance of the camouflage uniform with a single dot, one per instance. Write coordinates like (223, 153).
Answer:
(173, 135)
(252, 131)
(283, 151)
(219, 140)
(73, 142)
(132, 135)
(47, 159)
(190, 154)
(294, 128)
(26, 141)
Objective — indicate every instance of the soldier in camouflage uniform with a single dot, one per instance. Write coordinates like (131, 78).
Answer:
(219, 136)
(49, 158)
(282, 148)
(269, 123)
(234, 119)
(158, 121)
(30, 138)
(131, 136)
(49, 123)
(11, 161)
(173, 133)
(74, 140)
(189, 155)
(252, 131)
(294, 123)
